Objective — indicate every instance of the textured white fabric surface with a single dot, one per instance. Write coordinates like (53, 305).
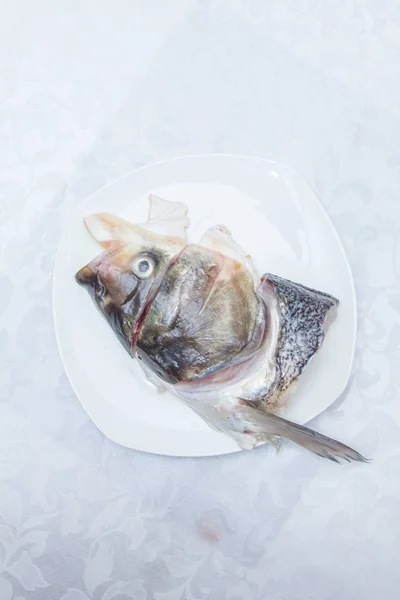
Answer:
(92, 89)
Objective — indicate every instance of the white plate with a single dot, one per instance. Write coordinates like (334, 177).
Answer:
(276, 218)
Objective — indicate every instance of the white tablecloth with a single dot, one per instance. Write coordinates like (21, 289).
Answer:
(92, 89)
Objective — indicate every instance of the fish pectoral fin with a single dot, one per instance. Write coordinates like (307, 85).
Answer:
(109, 229)
(167, 218)
(263, 423)
(167, 224)
(219, 239)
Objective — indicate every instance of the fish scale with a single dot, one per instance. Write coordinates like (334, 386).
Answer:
(303, 313)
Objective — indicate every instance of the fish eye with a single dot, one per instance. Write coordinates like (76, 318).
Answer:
(143, 267)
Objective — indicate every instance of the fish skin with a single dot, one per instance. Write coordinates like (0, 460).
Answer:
(204, 325)
(303, 313)
(195, 325)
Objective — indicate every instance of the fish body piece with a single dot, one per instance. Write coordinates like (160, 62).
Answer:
(204, 325)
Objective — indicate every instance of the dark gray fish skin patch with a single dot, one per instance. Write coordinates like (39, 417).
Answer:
(303, 313)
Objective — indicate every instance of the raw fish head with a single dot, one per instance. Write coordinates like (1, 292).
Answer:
(124, 279)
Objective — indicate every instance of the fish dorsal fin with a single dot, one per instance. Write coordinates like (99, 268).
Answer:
(220, 239)
(167, 218)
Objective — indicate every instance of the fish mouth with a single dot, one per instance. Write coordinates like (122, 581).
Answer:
(85, 276)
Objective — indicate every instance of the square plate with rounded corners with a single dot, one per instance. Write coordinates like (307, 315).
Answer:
(276, 218)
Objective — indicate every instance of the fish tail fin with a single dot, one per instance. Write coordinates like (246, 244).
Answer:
(269, 424)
